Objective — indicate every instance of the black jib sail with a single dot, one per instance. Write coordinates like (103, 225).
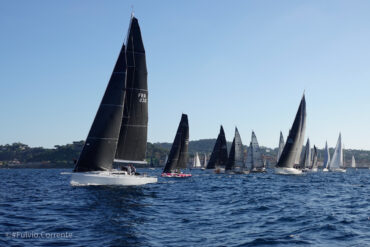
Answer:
(178, 157)
(101, 143)
(293, 146)
(132, 141)
(236, 155)
(219, 153)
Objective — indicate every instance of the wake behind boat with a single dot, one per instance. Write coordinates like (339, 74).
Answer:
(178, 157)
(110, 136)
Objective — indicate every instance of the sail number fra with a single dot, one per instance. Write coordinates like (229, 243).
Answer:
(142, 97)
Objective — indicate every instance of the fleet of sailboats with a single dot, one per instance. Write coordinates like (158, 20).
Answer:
(118, 135)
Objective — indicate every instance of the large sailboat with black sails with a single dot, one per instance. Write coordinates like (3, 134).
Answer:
(178, 157)
(119, 130)
(292, 150)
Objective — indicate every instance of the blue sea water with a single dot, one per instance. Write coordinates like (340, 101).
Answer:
(318, 209)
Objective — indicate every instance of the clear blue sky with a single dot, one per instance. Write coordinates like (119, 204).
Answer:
(236, 63)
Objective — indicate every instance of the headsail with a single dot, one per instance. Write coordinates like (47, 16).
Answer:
(293, 147)
(219, 153)
(236, 158)
(281, 146)
(132, 141)
(196, 161)
(337, 159)
(178, 157)
(205, 161)
(101, 143)
(326, 156)
(306, 160)
(249, 161)
(257, 161)
(353, 163)
(314, 158)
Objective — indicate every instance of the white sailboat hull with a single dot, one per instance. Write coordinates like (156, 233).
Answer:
(109, 178)
(337, 170)
(325, 170)
(312, 170)
(287, 171)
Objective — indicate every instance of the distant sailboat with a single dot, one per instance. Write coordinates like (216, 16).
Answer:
(293, 147)
(353, 163)
(306, 160)
(255, 151)
(326, 158)
(336, 163)
(95, 164)
(281, 146)
(314, 164)
(218, 159)
(235, 162)
(196, 161)
(204, 162)
(178, 157)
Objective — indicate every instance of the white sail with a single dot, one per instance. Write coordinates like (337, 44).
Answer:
(196, 162)
(337, 159)
(257, 161)
(326, 156)
(281, 146)
(353, 164)
(205, 161)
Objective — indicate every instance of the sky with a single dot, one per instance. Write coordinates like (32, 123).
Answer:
(236, 63)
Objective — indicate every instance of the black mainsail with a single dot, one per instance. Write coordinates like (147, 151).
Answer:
(236, 155)
(132, 140)
(293, 147)
(178, 157)
(101, 142)
(219, 154)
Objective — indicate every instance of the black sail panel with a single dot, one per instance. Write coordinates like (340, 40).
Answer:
(178, 156)
(133, 135)
(101, 143)
(219, 154)
(291, 148)
(231, 161)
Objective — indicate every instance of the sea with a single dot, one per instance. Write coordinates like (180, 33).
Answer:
(38, 207)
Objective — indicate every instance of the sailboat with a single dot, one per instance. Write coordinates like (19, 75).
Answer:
(218, 159)
(235, 163)
(306, 160)
(326, 158)
(314, 164)
(178, 157)
(336, 163)
(257, 164)
(281, 146)
(353, 163)
(204, 162)
(108, 130)
(293, 147)
(196, 161)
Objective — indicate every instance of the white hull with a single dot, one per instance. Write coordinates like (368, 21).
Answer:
(109, 178)
(337, 170)
(287, 171)
(312, 170)
(325, 170)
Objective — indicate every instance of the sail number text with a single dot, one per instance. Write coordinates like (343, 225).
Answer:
(142, 97)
